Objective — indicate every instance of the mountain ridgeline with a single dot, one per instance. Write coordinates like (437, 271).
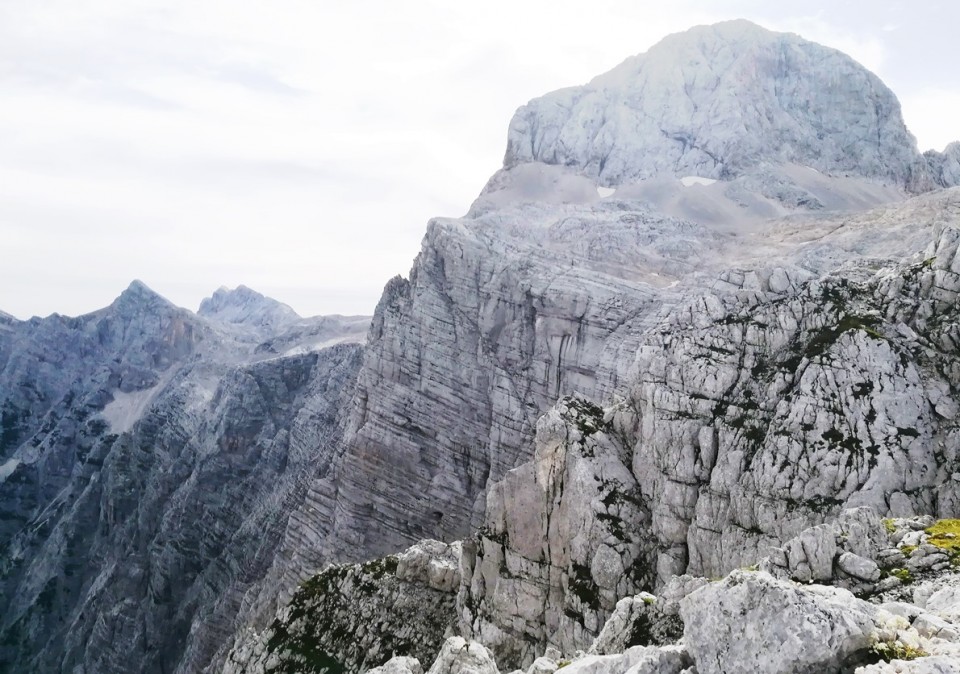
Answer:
(707, 306)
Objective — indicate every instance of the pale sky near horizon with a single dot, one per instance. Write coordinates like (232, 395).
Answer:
(300, 146)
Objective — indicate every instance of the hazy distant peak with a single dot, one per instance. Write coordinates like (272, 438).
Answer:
(139, 296)
(245, 306)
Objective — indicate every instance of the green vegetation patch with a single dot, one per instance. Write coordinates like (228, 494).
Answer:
(582, 586)
(945, 534)
(903, 574)
(589, 417)
(828, 336)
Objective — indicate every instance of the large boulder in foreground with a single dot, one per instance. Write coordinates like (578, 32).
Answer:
(752, 622)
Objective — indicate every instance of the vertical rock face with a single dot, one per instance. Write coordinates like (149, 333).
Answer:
(761, 420)
(743, 345)
(945, 166)
(151, 461)
(544, 289)
(564, 538)
(167, 479)
(461, 361)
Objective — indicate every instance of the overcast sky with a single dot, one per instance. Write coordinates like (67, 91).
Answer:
(300, 146)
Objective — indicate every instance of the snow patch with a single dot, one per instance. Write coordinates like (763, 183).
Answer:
(690, 181)
(202, 394)
(6, 470)
(605, 192)
(318, 346)
(126, 409)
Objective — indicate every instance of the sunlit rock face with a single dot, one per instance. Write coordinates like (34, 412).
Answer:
(719, 102)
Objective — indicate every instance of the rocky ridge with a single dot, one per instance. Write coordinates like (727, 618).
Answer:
(546, 288)
(150, 460)
(728, 443)
(353, 617)
(864, 614)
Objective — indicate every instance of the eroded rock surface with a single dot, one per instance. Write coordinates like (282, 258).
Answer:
(357, 617)
(750, 622)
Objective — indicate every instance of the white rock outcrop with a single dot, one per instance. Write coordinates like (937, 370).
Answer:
(751, 622)
(398, 665)
(459, 656)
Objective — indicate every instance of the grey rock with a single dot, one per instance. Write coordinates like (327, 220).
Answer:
(751, 622)
(908, 611)
(158, 456)
(636, 660)
(945, 166)
(459, 656)
(859, 567)
(675, 590)
(811, 554)
(928, 625)
(398, 665)
(887, 584)
(635, 621)
(562, 541)
(431, 563)
(765, 373)
(945, 602)
(357, 616)
(542, 665)
(244, 306)
(929, 665)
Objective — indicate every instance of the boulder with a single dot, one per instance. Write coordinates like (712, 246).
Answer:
(752, 622)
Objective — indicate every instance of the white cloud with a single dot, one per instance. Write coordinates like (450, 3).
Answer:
(933, 115)
(296, 146)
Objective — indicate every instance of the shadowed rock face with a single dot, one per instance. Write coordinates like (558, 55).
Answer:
(151, 463)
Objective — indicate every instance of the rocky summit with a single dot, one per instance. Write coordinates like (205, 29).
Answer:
(678, 394)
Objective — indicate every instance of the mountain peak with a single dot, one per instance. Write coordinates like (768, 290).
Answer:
(245, 306)
(718, 102)
(138, 296)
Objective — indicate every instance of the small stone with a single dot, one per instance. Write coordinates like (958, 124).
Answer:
(888, 583)
(929, 625)
(859, 567)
